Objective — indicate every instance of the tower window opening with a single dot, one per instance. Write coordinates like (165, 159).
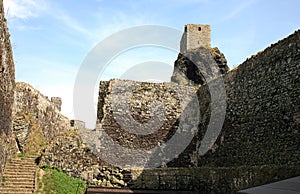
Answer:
(199, 28)
(185, 28)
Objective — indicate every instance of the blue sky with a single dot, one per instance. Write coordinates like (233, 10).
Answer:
(50, 38)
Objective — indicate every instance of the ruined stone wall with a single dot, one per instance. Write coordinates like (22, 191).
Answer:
(217, 180)
(68, 152)
(262, 117)
(140, 115)
(7, 84)
(34, 110)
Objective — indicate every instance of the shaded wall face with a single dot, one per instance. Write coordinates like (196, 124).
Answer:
(261, 125)
(7, 82)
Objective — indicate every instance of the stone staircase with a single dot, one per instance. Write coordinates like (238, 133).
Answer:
(19, 176)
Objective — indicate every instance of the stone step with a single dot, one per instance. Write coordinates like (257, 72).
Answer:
(23, 159)
(23, 182)
(30, 185)
(22, 167)
(33, 168)
(19, 170)
(12, 166)
(17, 179)
(14, 190)
(8, 173)
(22, 164)
(19, 174)
(11, 186)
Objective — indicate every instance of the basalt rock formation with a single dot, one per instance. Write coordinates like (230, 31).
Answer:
(198, 66)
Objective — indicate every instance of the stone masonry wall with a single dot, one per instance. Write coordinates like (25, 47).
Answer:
(154, 108)
(7, 84)
(262, 118)
(68, 152)
(31, 107)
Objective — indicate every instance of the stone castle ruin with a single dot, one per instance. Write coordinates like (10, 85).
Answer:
(258, 142)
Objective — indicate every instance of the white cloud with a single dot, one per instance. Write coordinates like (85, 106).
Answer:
(68, 21)
(23, 9)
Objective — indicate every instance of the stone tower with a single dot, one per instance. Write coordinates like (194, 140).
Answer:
(194, 36)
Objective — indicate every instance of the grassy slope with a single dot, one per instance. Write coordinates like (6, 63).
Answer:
(56, 182)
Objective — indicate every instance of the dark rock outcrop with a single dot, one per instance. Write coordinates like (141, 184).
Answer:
(198, 66)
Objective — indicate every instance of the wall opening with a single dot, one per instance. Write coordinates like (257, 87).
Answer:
(199, 28)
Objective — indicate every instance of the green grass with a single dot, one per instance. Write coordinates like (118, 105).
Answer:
(57, 182)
